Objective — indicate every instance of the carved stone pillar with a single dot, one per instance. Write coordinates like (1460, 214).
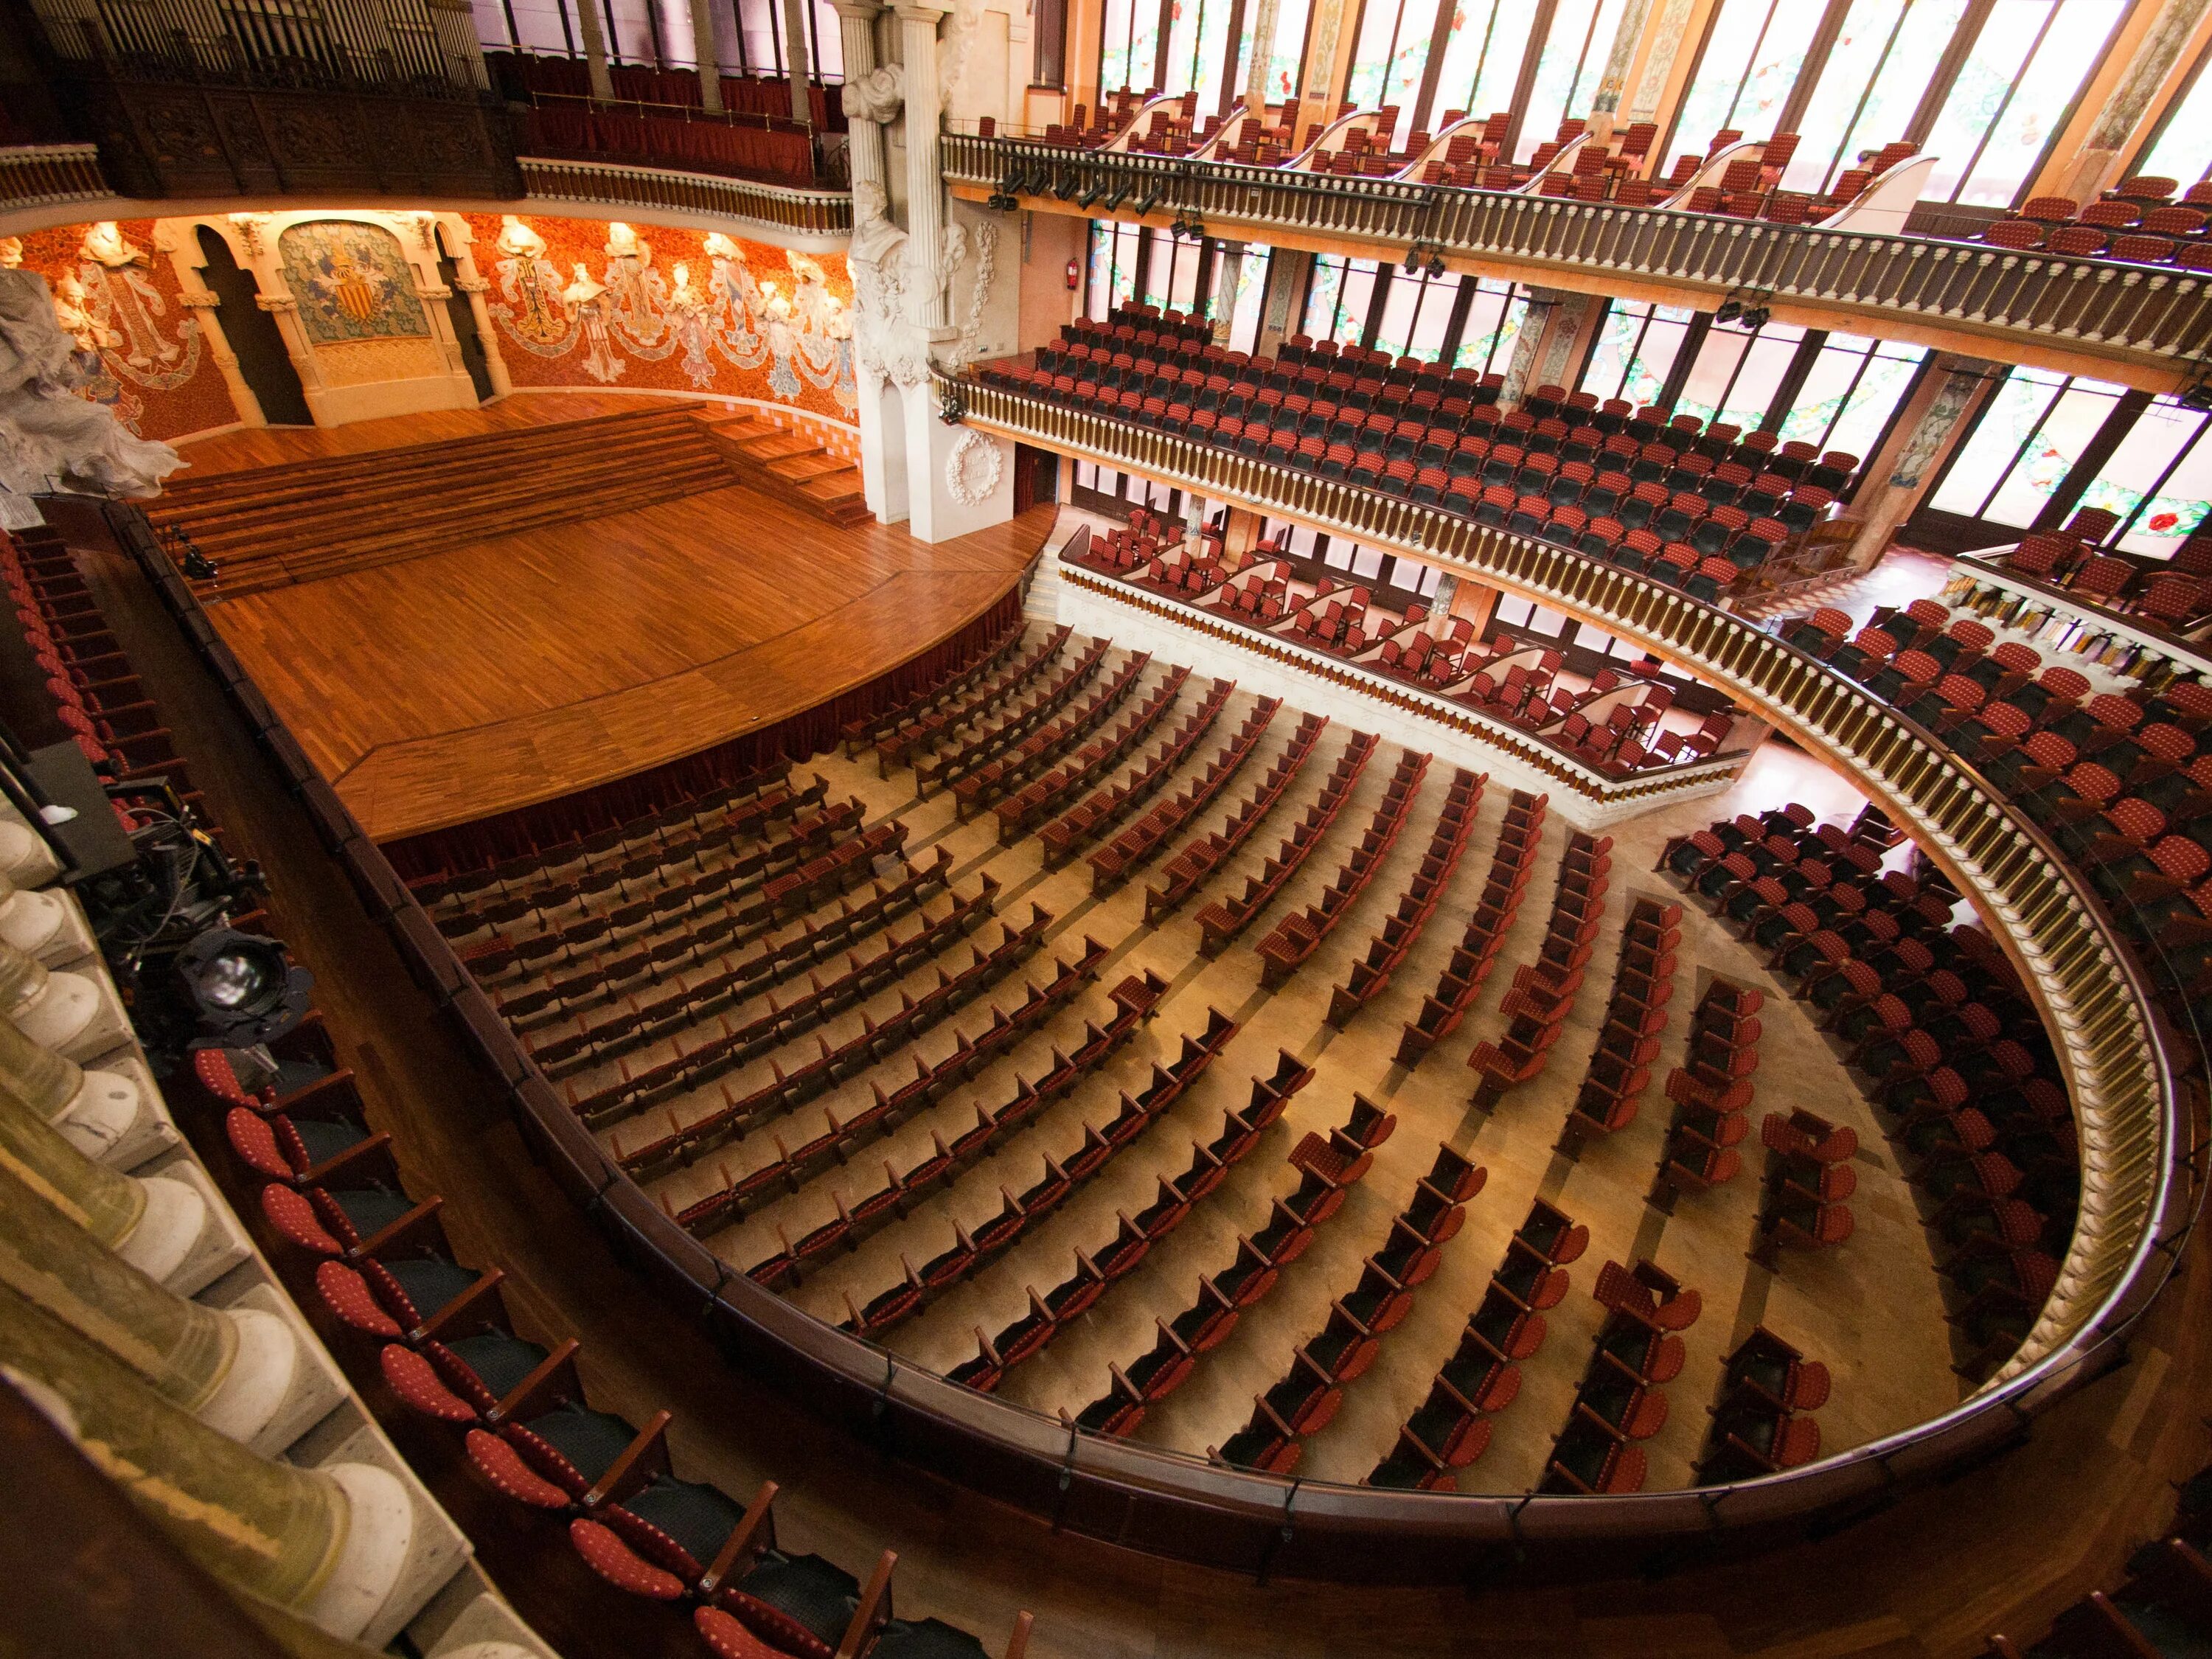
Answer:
(1626, 35)
(704, 49)
(595, 51)
(1256, 90)
(1227, 272)
(1927, 429)
(495, 363)
(286, 310)
(796, 60)
(2095, 165)
(925, 187)
(865, 138)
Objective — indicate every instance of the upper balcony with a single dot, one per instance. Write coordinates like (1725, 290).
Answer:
(1578, 218)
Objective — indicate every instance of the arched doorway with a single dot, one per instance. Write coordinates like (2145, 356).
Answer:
(263, 362)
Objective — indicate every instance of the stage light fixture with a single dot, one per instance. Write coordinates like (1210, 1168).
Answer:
(1114, 201)
(1066, 188)
(2197, 397)
(1144, 207)
(1435, 265)
(1412, 258)
(1090, 197)
(243, 987)
(1729, 312)
(1756, 319)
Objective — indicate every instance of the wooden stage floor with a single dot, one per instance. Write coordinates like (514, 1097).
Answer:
(494, 675)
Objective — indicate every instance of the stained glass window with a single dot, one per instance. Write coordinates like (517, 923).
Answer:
(1570, 67)
(1337, 300)
(2012, 93)
(1636, 350)
(1392, 53)
(2027, 441)
(1483, 51)
(1128, 45)
(1198, 50)
(1287, 55)
(1850, 392)
(1416, 314)
(1885, 55)
(2183, 149)
(1737, 375)
(1113, 268)
(1752, 53)
(1494, 320)
(2158, 480)
(1249, 300)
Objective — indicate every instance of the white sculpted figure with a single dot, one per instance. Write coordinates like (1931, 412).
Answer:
(877, 96)
(46, 430)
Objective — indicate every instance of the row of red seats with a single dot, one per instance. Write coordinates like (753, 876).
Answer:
(2137, 221)
(1105, 807)
(698, 1072)
(1188, 872)
(1451, 1427)
(1806, 1202)
(920, 731)
(1297, 936)
(97, 698)
(1013, 768)
(1019, 814)
(2175, 594)
(1761, 1424)
(1340, 1353)
(1711, 1091)
(1136, 846)
(1221, 921)
(953, 680)
(1635, 1014)
(702, 962)
(615, 1026)
(1543, 992)
(1401, 930)
(689, 144)
(1620, 1399)
(1325, 1169)
(1007, 727)
(1511, 862)
(848, 1226)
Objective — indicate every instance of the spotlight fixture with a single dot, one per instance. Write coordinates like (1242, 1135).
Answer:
(1412, 258)
(244, 989)
(1730, 309)
(1066, 187)
(1090, 197)
(1435, 265)
(2197, 397)
(1756, 319)
(1114, 201)
(1144, 207)
(949, 409)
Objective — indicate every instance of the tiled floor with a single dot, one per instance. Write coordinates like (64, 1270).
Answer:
(1871, 1309)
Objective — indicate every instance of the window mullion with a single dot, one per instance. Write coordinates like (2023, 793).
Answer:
(1815, 65)
(1686, 357)
(1794, 377)
(1750, 65)
(2118, 421)
(1940, 84)
(1439, 38)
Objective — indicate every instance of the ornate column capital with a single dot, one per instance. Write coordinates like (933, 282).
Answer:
(860, 11)
(473, 284)
(200, 299)
(276, 302)
(920, 12)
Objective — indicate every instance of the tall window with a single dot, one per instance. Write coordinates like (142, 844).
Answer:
(2158, 480)
(1636, 350)
(2183, 146)
(1495, 318)
(1198, 46)
(1753, 50)
(1736, 376)
(1877, 72)
(1393, 52)
(1113, 267)
(1128, 45)
(1286, 58)
(1851, 393)
(1571, 65)
(1171, 273)
(1483, 51)
(2013, 92)
(2027, 441)
(1416, 314)
(1338, 299)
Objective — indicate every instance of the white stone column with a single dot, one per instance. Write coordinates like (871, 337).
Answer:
(1256, 90)
(856, 22)
(595, 49)
(924, 187)
(707, 56)
(796, 60)
(203, 302)
(286, 310)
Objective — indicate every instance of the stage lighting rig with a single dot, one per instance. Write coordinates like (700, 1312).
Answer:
(242, 989)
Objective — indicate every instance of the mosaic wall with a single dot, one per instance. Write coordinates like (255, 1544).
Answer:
(120, 299)
(580, 302)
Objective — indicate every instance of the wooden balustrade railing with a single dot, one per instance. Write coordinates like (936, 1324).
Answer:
(2146, 315)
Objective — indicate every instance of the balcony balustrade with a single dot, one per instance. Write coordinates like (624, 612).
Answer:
(2155, 322)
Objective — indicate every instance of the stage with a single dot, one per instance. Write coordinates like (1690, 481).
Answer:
(509, 671)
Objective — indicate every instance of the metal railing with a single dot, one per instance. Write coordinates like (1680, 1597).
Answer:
(806, 212)
(2148, 315)
(40, 175)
